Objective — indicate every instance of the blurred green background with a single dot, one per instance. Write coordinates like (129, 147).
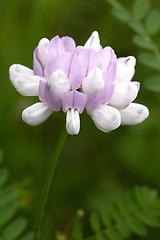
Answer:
(94, 167)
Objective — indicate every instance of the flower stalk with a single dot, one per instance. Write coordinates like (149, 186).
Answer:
(47, 186)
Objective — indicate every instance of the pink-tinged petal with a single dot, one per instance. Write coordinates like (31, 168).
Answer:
(107, 57)
(100, 96)
(133, 114)
(56, 47)
(69, 43)
(74, 99)
(93, 42)
(72, 122)
(76, 74)
(109, 72)
(36, 114)
(106, 118)
(46, 96)
(78, 50)
(89, 60)
(37, 66)
(17, 70)
(43, 55)
(93, 81)
(27, 85)
(124, 93)
(61, 63)
(125, 68)
(80, 100)
(58, 83)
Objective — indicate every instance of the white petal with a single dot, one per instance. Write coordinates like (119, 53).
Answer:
(93, 42)
(43, 51)
(72, 122)
(58, 83)
(93, 81)
(125, 68)
(124, 94)
(16, 70)
(27, 85)
(36, 114)
(133, 114)
(106, 118)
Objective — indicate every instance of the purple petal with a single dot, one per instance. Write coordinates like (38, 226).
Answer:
(89, 59)
(74, 99)
(46, 96)
(56, 47)
(105, 58)
(37, 66)
(76, 74)
(69, 43)
(63, 63)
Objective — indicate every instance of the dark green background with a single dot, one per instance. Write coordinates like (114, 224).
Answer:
(94, 166)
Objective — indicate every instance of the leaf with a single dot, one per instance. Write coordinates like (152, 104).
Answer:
(148, 219)
(7, 195)
(4, 174)
(106, 218)
(152, 22)
(140, 8)
(149, 60)
(95, 222)
(137, 227)
(153, 83)
(7, 213)
(136, 26)
(114, 235)
(143, 42)
(121, 13)
(15, 229)
(77, 231)
(28, 236)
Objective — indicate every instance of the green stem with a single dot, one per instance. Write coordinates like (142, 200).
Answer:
(47, 186)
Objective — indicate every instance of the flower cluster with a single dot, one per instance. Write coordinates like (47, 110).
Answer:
(73, 78)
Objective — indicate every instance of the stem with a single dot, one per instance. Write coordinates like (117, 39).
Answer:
(47, 186)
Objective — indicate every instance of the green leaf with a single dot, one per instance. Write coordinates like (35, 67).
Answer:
(7, 195)
(136, 26)
(28, 236)
(153, 83)
(137, 227)
(140, 8)
(148, 219)
(143, 42)
(15, 229)
(152, 22)
(105, 216)
(7, 213)
(114, 235)
(149, 60)
(4, 174)
(145, 196)
(77, 231)
(121, 13)
(95, 222)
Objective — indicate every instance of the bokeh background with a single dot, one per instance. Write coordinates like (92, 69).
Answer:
(94, 167)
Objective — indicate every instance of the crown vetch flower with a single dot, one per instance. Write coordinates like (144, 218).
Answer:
(71, 78)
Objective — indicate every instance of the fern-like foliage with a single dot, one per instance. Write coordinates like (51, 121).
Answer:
(130, 214)
(12, 226)
(145, 22)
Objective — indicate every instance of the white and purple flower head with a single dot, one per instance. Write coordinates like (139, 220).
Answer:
(70, 78)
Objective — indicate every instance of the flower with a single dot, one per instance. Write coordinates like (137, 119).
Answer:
(73, 78)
